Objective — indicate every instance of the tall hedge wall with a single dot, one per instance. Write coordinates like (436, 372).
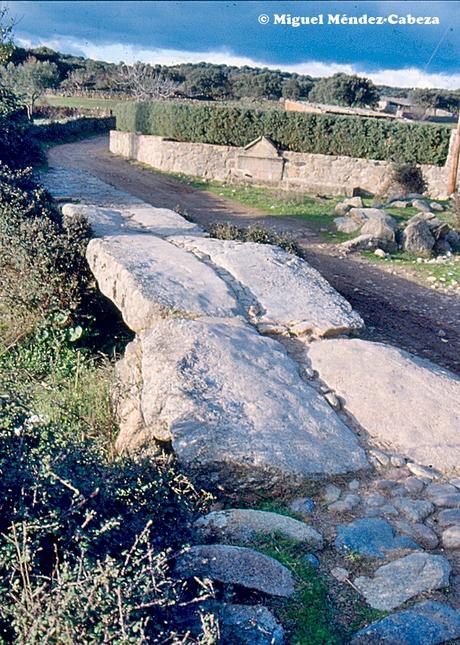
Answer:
(317, 133)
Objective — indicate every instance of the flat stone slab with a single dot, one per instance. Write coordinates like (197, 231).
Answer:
(149, 279)
(238, 566)
(104, 221)
(361, 215)
(250, 625)
(229, 398)
(141, 218)
(402, 579)
(427, 623)
(371, 537)
(161, 221)
(243, 525)
(402, 401)
(280, 290)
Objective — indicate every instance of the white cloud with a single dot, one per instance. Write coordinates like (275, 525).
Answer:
(116, 52)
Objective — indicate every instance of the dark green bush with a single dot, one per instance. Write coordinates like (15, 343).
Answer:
(315, 133)
(17, 147)
(255, 233)
(75, 128)
(42, 255)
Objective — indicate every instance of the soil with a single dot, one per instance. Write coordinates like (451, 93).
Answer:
(395, 309)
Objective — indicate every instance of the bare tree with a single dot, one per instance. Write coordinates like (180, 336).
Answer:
(6, 34)
(145, 82)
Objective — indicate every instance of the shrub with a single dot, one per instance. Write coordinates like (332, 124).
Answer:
(409, 178)
(312, 133)
(42, 255)
(257, 234)
(85, 541)
(17, 147)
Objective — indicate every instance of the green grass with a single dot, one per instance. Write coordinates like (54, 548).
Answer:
(80, 102)
(309, 617)
(314, 616)
(445, 273)
(316, 212)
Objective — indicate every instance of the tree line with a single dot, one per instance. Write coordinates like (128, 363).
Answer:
(31, 72)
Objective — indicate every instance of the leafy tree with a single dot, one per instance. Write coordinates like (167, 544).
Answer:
(296, 88)
(30, 80)
(340, 89)
(435, 99)
(210, 82)
(265, 84)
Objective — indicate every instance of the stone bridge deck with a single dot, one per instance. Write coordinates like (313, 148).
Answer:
(243, 360)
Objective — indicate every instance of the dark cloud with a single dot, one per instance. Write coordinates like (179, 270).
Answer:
(210, 26)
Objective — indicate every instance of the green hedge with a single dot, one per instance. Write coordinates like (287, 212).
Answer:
(74, 128)
(351, 136)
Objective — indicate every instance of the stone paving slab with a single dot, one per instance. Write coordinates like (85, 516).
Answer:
(402, 579)
(245, 524)
(225, 395)
(283, 291)
(238, 566)
(402, 401)
(149, 279)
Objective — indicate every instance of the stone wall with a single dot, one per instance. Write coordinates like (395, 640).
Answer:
(328, 174)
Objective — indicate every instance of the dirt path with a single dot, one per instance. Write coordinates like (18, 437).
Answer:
(395, 309)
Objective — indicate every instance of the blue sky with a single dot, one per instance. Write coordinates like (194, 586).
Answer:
(229, 32)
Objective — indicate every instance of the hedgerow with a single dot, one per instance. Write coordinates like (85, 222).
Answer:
(351, 136)
(74, 128)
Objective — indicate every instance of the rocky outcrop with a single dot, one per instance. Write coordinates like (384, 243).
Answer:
(417, 239)
(400, 400)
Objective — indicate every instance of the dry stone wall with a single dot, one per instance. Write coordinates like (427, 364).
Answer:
(327, 174)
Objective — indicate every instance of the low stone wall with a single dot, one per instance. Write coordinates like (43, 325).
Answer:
(327, 174)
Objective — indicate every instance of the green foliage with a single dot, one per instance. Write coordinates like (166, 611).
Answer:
(17, 148)
(85, 540)
(409, 178)
(257, 234)
(42, 255)
(340, 89)
(316, 133)
(29, 80)
(310, 616)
